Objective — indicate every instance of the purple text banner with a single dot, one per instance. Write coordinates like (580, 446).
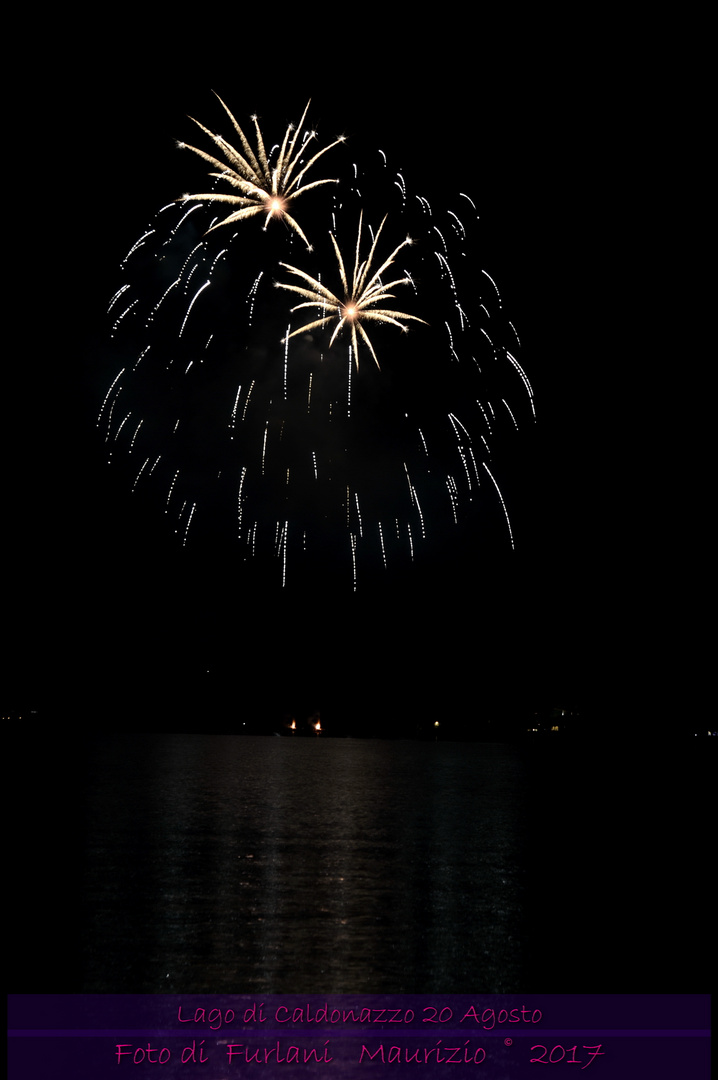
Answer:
(495, 1037)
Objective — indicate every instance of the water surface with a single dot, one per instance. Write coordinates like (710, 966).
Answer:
(208, 863)
(215, 863)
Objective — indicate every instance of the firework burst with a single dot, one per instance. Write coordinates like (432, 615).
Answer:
(360, 295)
(265, 188)
(275, 439)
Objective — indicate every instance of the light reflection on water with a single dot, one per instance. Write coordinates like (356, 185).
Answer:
(222, 864)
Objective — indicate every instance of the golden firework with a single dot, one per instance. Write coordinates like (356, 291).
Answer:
(360, 295)
(265, 189)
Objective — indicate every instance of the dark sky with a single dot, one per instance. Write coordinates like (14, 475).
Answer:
(109, 617)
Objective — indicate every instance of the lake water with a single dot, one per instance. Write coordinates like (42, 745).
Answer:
(288, 864)
(278, 865)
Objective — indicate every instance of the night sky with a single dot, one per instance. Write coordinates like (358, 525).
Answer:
(111, 620)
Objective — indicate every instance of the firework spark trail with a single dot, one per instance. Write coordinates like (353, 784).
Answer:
(356, 500)
(498, 491)
(194, 299)
(138, 244)
(192, 266)
(353, 540)
(293, 414)
(415, 501)
(172, 486)
(165, 294)
(253, 295)
(455, 420)
(483, 413)
(443, 241)
(139, 474)
(445, 265)
(117, 433)
(189, 522)
(107, 395)
(116, 297)
(134, 437)
(462, 452)
(498, 294)
(264, 446)
(233, 420)
(178, 225)
(475, 464)
(381, 541)
(454, 497)
(246, 403)
(111, 413)
(488, 338)
(461, 230)
(239, 503)
(121, 316)
(286, 361)
(451, 342)
(524, 379)
(506, 405)
(283, 539)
